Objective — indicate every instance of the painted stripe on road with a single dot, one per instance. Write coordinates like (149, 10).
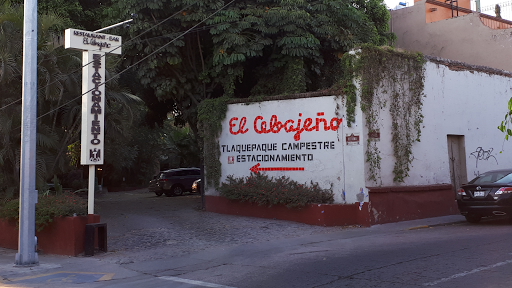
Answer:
(467, 273)
(419, 227)
(194, 282)
(64, 276)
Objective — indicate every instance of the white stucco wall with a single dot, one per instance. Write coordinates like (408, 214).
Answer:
(461, 101)
(468, 103)
(341, 165)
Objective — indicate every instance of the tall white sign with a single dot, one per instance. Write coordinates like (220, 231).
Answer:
(93, 108)
(94, 46)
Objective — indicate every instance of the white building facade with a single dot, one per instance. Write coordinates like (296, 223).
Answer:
(308, 139)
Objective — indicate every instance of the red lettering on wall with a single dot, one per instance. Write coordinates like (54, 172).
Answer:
(240, 127)
(263, 125)
(275, 126)
(335, 123)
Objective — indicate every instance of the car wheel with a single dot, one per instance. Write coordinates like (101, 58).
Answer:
(159, 193)
(177, 190)
(472, 218)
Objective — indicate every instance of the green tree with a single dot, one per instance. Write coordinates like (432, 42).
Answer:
(138, 155)
(505, 124)
(78, 14)
(247, 48)
(181, 149)
(375, 12)
(58, 99)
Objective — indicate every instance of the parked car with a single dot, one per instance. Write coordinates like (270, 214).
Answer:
(154, 184)
(174, 182)
(196, 186)
(489, 194)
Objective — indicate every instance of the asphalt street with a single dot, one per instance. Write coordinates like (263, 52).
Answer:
(435, 252)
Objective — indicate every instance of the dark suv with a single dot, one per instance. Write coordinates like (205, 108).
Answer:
(153, 184)
(175, 181)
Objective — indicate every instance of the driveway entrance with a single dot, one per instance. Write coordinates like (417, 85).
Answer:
(140, 223)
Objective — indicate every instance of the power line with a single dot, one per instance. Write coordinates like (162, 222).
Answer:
(195, 30)
(136, 63)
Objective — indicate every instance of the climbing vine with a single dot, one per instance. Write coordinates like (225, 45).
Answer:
(398, 77)
(346, 87)
(210, 114)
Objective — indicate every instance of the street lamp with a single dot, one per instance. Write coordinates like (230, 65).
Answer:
(112, 26)
(118, 24)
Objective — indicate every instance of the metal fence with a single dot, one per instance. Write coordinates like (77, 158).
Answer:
(506, 9)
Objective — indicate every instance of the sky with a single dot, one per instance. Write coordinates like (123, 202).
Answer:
(506, 11)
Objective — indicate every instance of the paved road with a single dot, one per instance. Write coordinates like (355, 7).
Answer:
(167, 246)
(460, 255)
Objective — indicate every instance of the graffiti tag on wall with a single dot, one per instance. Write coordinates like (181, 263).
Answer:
(483, 155)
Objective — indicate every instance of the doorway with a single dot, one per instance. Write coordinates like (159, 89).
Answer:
(457, 160)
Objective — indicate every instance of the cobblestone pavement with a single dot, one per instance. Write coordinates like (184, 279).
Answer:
(142, 226)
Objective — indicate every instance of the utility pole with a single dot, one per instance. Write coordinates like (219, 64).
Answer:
(27, 256)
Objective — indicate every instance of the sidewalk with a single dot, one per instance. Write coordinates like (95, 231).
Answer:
(102, 271)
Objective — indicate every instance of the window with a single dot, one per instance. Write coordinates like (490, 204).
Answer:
(169, 174)
(180, 173)
(493, 177)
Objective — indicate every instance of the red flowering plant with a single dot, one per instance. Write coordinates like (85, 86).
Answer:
(48, 207)
(264, 190)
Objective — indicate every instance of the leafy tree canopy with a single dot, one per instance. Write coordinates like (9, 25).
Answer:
(247, 48)
(78, 14)
(58, 102)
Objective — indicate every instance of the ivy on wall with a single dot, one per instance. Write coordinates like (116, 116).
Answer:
(387, 75)
(346, 87)
(210, 114)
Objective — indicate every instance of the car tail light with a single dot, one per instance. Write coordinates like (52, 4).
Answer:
(163, 180)
(461, 192)
(503, 190)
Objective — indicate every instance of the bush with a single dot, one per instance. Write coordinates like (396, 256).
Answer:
(264, 190)
(77, 184)
(47, 208)
(72, 179)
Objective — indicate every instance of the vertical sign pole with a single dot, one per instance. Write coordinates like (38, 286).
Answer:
(90, 204)
(93, 116)
(27, 255)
